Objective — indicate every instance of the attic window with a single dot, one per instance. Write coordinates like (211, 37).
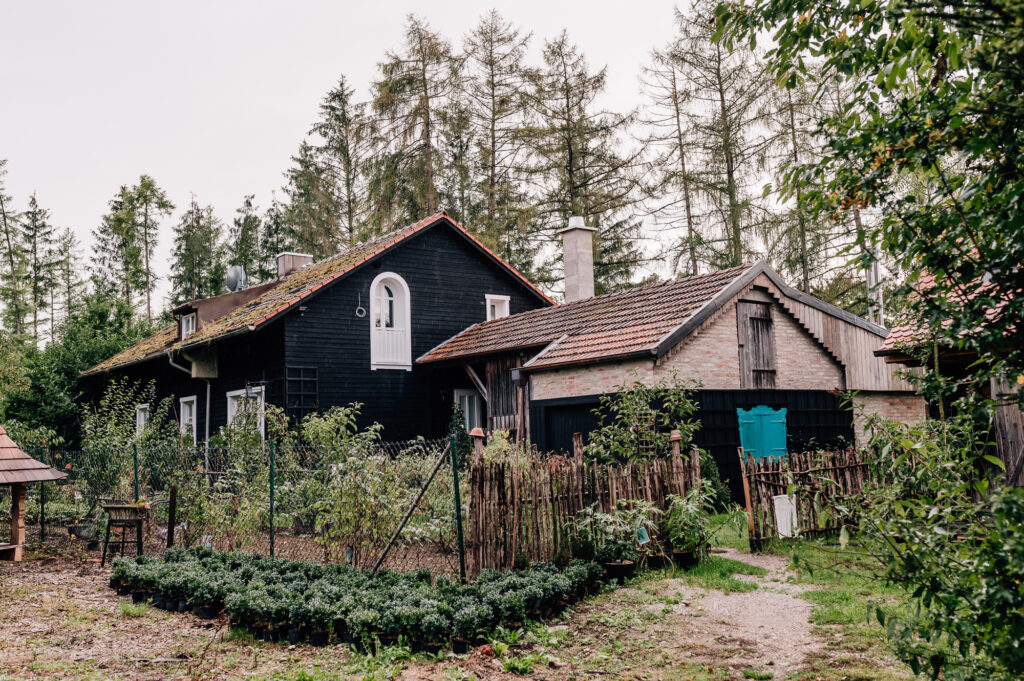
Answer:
(497, 306)
(390, 323)
(188, 325)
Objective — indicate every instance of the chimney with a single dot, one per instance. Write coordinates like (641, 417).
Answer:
(289, 262)
(578, 257)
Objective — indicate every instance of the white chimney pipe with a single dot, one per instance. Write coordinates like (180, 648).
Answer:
(578, 257)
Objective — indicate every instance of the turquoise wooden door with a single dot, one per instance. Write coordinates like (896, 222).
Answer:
(762, 431)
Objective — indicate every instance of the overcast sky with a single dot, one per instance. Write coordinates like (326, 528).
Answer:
(213, 98)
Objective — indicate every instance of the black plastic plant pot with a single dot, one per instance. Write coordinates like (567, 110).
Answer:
(684, 558)
(460, 646)
(115, 583)
(258, 631)
(183, 605)
(205, 612)
(433, 647)
(294, 636)
(658, 561)
(620, 570)
(319, 638)
(123, 590)
(139, 596)
(158, 601)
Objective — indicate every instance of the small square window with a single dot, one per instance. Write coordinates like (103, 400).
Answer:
(472, 408)
(188, 325)
(251, 398)
(497, 306)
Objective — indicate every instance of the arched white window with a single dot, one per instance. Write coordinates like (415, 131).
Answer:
(390, 323)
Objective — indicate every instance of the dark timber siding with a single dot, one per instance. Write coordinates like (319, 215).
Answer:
(256, 358)
(448, 279)
(814, 418)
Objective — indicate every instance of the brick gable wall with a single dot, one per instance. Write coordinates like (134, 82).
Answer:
(709, 355)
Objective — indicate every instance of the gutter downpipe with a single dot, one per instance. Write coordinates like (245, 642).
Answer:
(206, 444)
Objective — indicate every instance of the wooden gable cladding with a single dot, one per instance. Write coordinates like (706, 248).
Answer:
(507, 400)
(756, 339)
(852, 345)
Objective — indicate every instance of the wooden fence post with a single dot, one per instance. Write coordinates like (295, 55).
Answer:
(746, 497)
(172, 516)
(478, 444)
(17, 519)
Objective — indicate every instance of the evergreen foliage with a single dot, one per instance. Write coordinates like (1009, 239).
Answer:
(198, 267)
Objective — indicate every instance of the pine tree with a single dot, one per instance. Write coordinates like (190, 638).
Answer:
(37, 235)
(672, 191)
(496, 84)
(116, 253)
(244, 237)
(728, 93)
(580, 164)
(455, 176)
(345, 129)
(197, 270)
(414, 85)
(275, 238)
(312, 212)
(12, 275)
(150, 204)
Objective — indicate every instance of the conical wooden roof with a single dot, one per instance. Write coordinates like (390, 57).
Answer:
(17, 466)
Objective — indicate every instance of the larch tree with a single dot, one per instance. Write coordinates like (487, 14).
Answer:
(197, 269)
(496, 84)
(729, 97)
(38, 241)
(244, 237)
(344, 131)
(580, 165)
(69, 285)
(672, 189)
(414, 84)
(12, 274)
(150, 204)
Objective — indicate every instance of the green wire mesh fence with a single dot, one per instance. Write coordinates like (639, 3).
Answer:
(295, 501)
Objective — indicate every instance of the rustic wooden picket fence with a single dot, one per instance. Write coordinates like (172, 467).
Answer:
(525, 506)
(818, 480)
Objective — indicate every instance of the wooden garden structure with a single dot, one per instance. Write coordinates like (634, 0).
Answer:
(17, 469)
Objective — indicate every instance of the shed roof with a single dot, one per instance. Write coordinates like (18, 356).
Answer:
(288, 292)
(18, 467)
(643, 321)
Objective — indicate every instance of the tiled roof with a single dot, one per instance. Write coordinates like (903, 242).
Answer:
(290, 291)
(615, 325)
(18, 467)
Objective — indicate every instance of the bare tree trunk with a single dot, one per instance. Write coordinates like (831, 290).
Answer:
(14, 270)
(683, 174)
(805, 272)
(735, 242)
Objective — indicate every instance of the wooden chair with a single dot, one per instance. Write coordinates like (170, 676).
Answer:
(123, 517)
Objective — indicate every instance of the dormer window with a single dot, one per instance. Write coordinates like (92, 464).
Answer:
(188, 325)
(497, 306)
(390, 323)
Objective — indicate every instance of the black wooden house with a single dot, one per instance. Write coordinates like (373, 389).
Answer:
(343, 330)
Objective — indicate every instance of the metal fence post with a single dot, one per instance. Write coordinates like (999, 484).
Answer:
(42, 501)
(453, 453)
(135, 467)
(272, 448)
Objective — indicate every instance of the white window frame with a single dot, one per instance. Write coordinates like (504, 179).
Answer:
(233, 400)
(141, 418)
(188, 427)
(477, 418)
(402, 357)
(188, 325)
(500, 305)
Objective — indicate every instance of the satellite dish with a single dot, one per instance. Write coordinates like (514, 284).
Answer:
(237, 280)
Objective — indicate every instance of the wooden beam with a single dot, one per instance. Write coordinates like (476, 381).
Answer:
(481, 388)
(17, 520)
